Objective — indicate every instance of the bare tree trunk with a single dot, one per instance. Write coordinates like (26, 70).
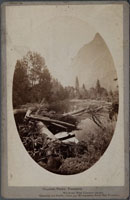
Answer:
(43, 130)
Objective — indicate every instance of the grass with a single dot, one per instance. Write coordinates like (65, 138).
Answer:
(96, 143)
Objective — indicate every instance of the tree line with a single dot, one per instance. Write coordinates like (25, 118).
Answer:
(33, 82)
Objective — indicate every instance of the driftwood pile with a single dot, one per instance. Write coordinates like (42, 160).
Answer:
(58, 123)
(38, 134)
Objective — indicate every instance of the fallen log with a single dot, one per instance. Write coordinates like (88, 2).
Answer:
(59, 125)
(46, 134)
(27, 114)
(18, 111)
(82, 111)
(48, 120)
(43, 130)
(23, 110)
(97, 121)
(75, 112)
(67, 137)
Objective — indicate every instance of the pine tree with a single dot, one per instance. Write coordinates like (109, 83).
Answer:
(98, 87)
(77, 83)
(21, 85)
(83, 87)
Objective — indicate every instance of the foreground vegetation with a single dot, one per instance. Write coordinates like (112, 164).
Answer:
(69, 158)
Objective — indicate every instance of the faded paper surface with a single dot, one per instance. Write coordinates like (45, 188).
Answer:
(22, 170)
(23, 33)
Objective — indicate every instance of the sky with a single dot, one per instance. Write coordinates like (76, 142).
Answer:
(57, 33)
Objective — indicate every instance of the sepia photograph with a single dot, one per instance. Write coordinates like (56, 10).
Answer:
(66, 119)
(65, 100)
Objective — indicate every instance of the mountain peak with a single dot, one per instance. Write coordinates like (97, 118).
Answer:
(93, 61)
(97, 36)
